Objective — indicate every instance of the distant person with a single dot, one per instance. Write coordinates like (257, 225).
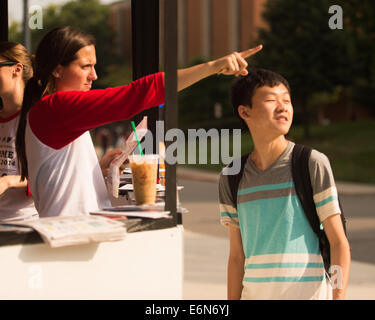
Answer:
(274, 253)
(15, 70)
(53, 141)
(124, 135)
(104, 139)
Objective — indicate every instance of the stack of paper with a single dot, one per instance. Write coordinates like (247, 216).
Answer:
(144, 211)
(113, 179)
(65, 231)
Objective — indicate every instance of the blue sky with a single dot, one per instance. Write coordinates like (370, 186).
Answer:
(15, 7)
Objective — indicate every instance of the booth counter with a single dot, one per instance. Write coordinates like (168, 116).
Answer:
(146, 264)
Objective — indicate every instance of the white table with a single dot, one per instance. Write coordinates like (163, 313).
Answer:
(145, 265)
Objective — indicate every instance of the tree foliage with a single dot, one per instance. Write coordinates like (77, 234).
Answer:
(88, 15)
(299, 44)
(196, 103)
(360, 28)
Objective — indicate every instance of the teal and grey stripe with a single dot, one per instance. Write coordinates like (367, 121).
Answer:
(325, 201)
(266, 187)
(285, 279)
(285, 265)
(266, 192)
(229, 215)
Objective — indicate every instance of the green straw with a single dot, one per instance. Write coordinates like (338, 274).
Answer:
(136, 136)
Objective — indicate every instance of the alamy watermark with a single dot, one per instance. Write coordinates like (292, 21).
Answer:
(336, 277)
(35, 279)
(35, 17)
(336, 21)
(179, 143)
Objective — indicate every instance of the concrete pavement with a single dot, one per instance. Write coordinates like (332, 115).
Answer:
(206, 254)
(205, 271)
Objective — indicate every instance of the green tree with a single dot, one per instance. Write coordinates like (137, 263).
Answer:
(15, 32)
(299, 44)
(360, 26)
(88, 15)
(196, 103)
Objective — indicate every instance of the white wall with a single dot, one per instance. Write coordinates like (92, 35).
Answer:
(145, 265)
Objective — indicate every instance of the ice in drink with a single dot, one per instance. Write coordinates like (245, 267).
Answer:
(144, 174)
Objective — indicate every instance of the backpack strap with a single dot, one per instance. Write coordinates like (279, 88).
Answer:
(234, 179)
(343, 219)
(302, 183)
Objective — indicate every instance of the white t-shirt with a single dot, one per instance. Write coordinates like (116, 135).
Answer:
(15, 203)
(65, 177)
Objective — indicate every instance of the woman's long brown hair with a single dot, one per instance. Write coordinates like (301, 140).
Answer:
(58, 47)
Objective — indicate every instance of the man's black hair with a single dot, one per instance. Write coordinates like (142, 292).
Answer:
(243, 89)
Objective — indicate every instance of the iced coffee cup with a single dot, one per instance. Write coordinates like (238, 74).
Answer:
(144, 174)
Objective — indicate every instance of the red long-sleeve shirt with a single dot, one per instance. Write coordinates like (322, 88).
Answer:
(64, 173)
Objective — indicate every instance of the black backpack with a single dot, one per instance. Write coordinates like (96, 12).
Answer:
(301, 178)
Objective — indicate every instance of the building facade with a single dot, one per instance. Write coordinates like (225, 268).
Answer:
(206, 28)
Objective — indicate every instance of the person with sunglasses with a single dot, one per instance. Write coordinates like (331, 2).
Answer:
(16, 69)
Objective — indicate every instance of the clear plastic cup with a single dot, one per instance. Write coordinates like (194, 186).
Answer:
(144, 174)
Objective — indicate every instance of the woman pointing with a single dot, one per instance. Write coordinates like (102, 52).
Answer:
(53, 141)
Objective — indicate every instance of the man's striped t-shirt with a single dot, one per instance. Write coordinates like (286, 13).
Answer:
(282, 255)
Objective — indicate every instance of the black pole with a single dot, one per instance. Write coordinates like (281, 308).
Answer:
(3, 20)
(3, 26)
(171, 115)
(26, 29)
(145, 50)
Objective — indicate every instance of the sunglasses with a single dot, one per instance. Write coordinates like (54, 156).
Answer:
(8, 63)
(11, 63)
